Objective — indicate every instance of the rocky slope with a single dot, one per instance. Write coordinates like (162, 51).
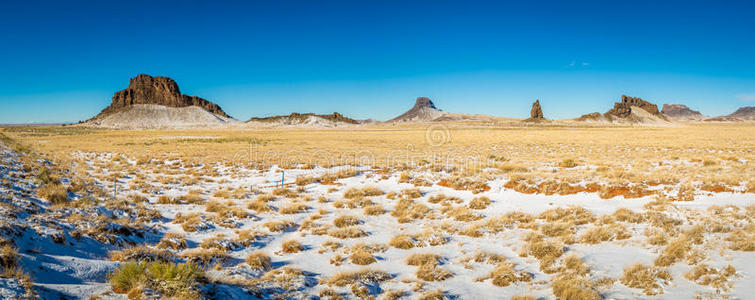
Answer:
(153, 116)
(424, 110)
(681, 112)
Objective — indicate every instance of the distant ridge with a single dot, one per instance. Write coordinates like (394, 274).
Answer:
(307, 119)
(423, 110)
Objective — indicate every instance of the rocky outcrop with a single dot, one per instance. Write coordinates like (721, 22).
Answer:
(623, 109)
(747, 112)
(631, 110)
(424, 110)
(145, 89)
(536, 112)
(681, 112)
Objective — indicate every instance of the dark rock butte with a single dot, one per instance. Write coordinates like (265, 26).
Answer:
(145, 89)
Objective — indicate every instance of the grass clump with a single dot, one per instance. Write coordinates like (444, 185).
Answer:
(361, 276)
(647, 278)
(53, 192)
(717, 279)
(479, 202)
(346, 221)
(172, 280)
(402, 242)
(433, 272)
(361, 257)
(141, 253)
(545, 251)
(419, 259)
(293, 209)
(374, 210)
(504, 275)
(354, 193)
(291, 246)
(605, 233)
(567, 163)
(347, 233)
(259, 261)
(172, 240)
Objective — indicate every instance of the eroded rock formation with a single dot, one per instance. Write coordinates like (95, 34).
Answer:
(623, 109)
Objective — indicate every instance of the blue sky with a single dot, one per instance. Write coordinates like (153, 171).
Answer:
(62, 61)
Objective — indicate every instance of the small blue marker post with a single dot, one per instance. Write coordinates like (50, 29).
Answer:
(283, 176)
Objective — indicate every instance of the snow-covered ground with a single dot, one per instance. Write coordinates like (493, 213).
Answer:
(448, 227)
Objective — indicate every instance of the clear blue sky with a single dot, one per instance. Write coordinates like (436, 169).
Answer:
(62, 61)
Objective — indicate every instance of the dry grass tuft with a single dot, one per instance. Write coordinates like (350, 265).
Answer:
(545, 251)
(354, 193)
(604, 233)
(278, 226)
(55, 193)
(346, 221)
(291, 246)
(205, 257)
(432, 272)
(402, 242)
(504, 275)
(347, 233)
(259, 261)
(717, 279)
(374, 210)
(362, 276)
(361, 257)
(419, 259)
(141, 253)
(647, 278)
(294, 208)
(574, 288)
(481, 202)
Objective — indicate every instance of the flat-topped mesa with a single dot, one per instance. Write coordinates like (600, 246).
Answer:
(145, 89)
(624, 108)
(536, 112)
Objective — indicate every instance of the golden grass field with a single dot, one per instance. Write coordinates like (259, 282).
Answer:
(713, 156)
(446, 210)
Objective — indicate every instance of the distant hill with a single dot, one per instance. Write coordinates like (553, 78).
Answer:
(423, 110)
(747, 112)
(157, 102)
(681, 112)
